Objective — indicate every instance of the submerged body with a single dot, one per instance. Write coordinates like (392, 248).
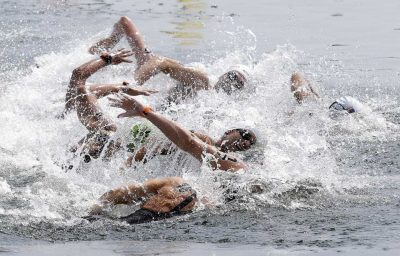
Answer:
(160, 198)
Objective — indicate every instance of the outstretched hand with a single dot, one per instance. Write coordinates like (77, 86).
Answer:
(136, 92)
(131, 106)
(120, 56)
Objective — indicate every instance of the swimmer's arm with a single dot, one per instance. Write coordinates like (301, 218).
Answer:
(187, 76)
(123, 195)
(154, 185)
(190, 143)
(182, 138)
(83, 72)
(204, 138)
(312, 90)
(102, 90)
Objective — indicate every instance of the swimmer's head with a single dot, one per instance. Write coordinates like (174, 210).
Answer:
(347, 104)
(236, 140)
(94, 145)
(231, 81)
(139, 133)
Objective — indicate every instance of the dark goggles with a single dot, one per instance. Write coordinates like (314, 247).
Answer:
(237, 78)
(245, 134)
(337, 106)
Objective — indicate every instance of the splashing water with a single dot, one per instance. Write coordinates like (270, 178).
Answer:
(302, 161)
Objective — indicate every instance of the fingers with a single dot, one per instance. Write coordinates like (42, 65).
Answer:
(125, 114)
(125, 54)
(113, 100)
(148, 92)
(125, 97)
(116, 103)
(126, 60)
(122, 52)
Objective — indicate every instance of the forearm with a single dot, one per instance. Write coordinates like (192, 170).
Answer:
(102, 90)
(181, 137)
(188, 142)
(185, 75)
(86, 70)
(78, 78)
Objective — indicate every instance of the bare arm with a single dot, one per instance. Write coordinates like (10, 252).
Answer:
(78, 78)
(134, 192)
(187, 76)
(102, 90)
(191, 79)
(83, 72)
(140, 155)
(181, 137)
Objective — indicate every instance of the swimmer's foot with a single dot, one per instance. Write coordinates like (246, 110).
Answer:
(102, 45)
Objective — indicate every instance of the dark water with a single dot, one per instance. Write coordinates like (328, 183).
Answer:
(317, 185)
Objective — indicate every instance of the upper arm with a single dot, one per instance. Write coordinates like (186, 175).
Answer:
(204, 138)
(153, 185)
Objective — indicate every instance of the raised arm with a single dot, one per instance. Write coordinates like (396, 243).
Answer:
(181, 137)
(83, 72)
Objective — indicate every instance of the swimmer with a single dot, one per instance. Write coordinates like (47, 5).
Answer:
(230, 141)
(302, 90)
(160, 199)
(186, 140)
(347, 104)
(84, 99)
(149, 64)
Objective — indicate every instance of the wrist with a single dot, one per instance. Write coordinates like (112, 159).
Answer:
(107, 58)
(147, 110)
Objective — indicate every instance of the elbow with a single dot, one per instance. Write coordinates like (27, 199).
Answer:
(77, 73)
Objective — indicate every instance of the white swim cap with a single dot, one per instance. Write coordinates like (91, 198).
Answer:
(348, 104)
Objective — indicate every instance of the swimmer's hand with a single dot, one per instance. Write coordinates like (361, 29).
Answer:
(136, 92)
(131, 106)
(118, 57)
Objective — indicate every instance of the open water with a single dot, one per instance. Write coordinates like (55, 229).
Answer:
(316, 185)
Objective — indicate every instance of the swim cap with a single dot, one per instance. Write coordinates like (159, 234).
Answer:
(348, 104)
(139, 132)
